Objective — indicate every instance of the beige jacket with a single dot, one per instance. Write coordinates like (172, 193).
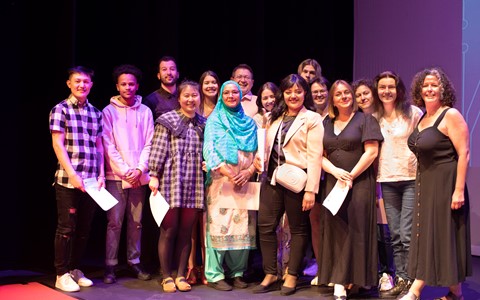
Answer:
(303, 145)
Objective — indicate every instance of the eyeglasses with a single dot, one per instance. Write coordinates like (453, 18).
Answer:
(240, 77)
(319, 92)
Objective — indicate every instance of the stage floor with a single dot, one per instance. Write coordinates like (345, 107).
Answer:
(133, 289)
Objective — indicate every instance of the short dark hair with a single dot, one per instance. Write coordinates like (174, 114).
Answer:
(185, 83)
(126, 69)
(167, 58)
(320, 80)
(242, 66)
(81, 69)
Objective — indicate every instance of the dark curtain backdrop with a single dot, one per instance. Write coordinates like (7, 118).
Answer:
(43, 38)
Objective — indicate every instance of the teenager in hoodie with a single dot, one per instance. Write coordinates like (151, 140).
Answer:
(127, 139)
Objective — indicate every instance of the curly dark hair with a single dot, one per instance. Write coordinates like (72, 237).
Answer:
(447, 96)
(126, 69)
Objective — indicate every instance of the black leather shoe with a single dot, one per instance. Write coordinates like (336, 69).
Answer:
(239, 283)
(287, 291)
(260, 289)
(400, 285)
(359, 292)
(220, 285)
(407, 287)
(109, 276)
(139, 272)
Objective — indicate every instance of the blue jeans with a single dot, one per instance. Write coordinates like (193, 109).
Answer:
(399, 198)
(130, 204)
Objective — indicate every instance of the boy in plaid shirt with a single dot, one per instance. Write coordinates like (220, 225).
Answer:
(76, 128)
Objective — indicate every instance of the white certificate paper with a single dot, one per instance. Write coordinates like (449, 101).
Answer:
(103, 198)
(261, 133)
(244, 197)
(335, 198)
(159, 207)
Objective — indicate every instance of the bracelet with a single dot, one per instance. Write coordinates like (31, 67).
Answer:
(101, 176)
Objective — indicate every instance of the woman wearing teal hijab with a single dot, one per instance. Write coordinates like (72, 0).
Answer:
(229, 149)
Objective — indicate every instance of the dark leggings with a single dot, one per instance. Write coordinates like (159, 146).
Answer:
(175, 242)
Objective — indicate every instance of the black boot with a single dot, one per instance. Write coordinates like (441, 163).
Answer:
(109, 276)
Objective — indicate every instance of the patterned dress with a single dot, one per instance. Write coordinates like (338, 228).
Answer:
(228, 228)
(176, 159)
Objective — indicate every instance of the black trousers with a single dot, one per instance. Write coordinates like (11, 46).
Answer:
(75, 212)
(274, 201)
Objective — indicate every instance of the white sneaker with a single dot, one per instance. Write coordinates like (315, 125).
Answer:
(314, 281)
(80, 278)
(66, 283)
(385, 283)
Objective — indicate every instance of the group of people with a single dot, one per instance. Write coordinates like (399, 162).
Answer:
(193, 141)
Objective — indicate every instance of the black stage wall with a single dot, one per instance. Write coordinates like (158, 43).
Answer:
(42, 39)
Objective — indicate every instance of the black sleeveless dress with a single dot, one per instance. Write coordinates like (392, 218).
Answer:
(440, 250)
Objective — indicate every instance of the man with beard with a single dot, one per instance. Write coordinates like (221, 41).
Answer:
(165, 98)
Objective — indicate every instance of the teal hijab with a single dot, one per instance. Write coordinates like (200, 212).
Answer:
(227, 131)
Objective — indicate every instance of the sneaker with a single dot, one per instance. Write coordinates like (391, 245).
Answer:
(66, 283)
(137, 269)
(385, 283)
(80, 278)
(314, 281)
(109, 276)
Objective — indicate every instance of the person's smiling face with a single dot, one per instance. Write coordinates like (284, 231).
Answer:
(231, 95)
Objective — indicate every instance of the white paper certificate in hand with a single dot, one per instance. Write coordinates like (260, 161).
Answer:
(335, 198)
(103, 198)
(159, 207)
(261, 146)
